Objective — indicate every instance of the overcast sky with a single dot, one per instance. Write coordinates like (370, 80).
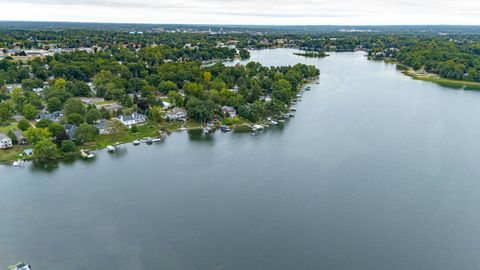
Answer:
(281, 12)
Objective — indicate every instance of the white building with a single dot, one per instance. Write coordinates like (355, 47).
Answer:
(133, 119)
(177, 114)
(5, 141)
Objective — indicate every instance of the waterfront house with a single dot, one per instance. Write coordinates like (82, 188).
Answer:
(132, 119)
(5, 141)
(177, 114)
(229, 111)
(102, 126)
(21, 140)
(70, 130)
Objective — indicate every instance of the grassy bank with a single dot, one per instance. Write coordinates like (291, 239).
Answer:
(435, 78)
(458, 84)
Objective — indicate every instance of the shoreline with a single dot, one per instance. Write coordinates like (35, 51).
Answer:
(432, 77)
(149, 129)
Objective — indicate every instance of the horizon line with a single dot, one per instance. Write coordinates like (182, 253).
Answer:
(232, 24)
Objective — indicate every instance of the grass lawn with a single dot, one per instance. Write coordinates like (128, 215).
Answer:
(106, 102)
(124, 135)
(459, 84)
(11, 154)
(5, 129)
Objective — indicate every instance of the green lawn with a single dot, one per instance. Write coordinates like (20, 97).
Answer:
(124, 135)
(459, 84)
(11, 154)
(5, 129)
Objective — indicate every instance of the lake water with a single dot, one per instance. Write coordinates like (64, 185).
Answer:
(376, 171)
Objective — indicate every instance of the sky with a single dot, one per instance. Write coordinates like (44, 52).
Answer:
(263, 12)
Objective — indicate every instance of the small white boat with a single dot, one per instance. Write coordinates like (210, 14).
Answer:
(148, 140)
(257, 127)
(21, 266)
(281, 121)
(111, 149)
(206, 130)
(293, 109)
(137, 142)
(273, 122)
(156, 139)
(19, 163)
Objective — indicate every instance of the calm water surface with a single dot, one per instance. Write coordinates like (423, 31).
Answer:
(376, 171)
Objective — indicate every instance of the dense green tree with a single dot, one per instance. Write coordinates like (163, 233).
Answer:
(23, 125)
(54, 104)
(85, 133)
(29, 111)
(74, 105)
(43, 123)
(75, 119)
(45, 149)
(35, 135)
(68, 146)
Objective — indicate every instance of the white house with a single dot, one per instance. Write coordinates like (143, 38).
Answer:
(5, 141)
(132, 119)
(177, 114)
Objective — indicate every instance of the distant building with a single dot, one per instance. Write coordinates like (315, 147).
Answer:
(132, 119)
(177, 114)
(166, 105)
(10, 87)
(110, 107)
(5, 141)
(229, 111)
(266, 98)
(54, 116)
(91, 100)
(21, 140)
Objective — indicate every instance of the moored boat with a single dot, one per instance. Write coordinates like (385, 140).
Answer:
(111, 148)
(224, 128)
(86, 154)
(148, 140)
(136, 142)
(18, 163)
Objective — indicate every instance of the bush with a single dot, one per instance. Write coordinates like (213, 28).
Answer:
(134, 129)
(44, 123)
(68, 146)
(23, 125)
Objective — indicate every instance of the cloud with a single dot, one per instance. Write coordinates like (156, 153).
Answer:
(247, 11)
